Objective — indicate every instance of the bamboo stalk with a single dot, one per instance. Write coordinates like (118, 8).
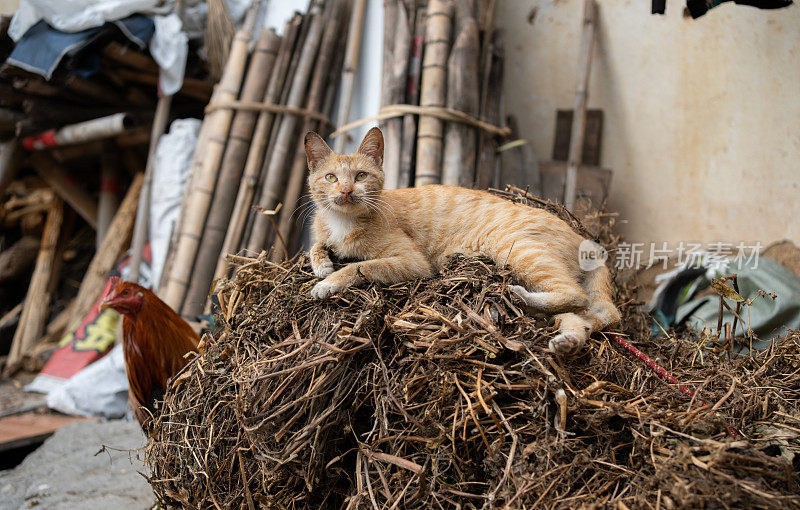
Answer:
(350, 65)
(433, 91)
(255, 156)
(109, 252)
(302, 35)
(271, 192)
(581, 93)
(198, 200)
(405, 178)
(490, 112)
(395, 90)
(259, 69)
(140, 231)
(458, 167)
(37, 301)
(78, 199)
(316, 98)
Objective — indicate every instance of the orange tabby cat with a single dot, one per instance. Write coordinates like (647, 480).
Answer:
(408, 233)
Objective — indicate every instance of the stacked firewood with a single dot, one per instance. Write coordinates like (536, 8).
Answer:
(72, 153)
(249, 167)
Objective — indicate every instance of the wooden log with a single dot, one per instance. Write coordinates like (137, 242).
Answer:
(233, 162)
(272, 190)
(458, 168)
(395, 90)
(490, 112)
(17, 259)
(406, 178)
(255, 155)
(130, 57)
(350, 66)
(91, 89)
(198, 200)
(433, 91)
(581, 93)
(112, 247)
(37, 301)
(82, 202)
(316, 97)
(192, 87)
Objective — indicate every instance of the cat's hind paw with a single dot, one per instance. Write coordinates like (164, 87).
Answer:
(324, 269)
(566, 343)
(325, 289)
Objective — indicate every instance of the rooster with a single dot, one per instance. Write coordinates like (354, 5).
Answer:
(154, 340)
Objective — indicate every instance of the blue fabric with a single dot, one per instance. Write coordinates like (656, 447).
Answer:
(43, 48)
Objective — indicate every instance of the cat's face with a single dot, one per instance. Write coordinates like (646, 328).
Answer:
(349, 184)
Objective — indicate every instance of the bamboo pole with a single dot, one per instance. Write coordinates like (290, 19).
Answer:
(195, 208)
(255, 156)
(259, 69)
(37, 301)
(141, 227)
(271, 192)
(109, 252)
(406, 178)
(490, 112)
(352, 52)
(581, 93)
(463, 87)
(82, 202)
(395, 90)
(433, 91)
(302, 35)
(316, 98)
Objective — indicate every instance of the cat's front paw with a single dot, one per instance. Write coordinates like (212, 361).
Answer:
(325, 289)
(566, 343)
(324, 269)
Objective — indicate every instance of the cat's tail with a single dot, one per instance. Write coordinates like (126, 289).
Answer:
(602, 312)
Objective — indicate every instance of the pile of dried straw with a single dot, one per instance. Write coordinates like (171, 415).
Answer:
(441, 394)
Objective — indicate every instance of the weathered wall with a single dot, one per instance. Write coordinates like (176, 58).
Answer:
(702, 117)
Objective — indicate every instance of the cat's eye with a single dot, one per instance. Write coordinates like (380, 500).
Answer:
(330, 178)
(360, 176)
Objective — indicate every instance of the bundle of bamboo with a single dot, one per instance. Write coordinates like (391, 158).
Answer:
(248, 158)
(442, 62)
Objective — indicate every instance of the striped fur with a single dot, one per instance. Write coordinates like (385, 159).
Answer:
(409, 233)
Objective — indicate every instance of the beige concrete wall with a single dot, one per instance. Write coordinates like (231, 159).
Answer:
(8, 6)
(702, 117)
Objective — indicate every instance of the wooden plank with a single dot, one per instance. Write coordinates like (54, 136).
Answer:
(30, 428)
(592, 138)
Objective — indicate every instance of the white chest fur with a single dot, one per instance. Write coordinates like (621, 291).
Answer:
(338, 227)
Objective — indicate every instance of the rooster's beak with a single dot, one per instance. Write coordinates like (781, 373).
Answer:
(106, 304)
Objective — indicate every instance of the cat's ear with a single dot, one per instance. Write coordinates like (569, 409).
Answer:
(316, 150)
(372, 146)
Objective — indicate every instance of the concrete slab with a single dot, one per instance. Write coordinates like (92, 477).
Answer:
(67, 472)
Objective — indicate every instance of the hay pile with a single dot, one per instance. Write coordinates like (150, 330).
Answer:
(441, 394)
